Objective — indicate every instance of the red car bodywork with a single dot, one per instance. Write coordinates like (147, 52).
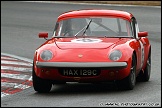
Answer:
(92, 55)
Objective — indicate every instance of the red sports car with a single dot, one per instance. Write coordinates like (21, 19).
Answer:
(93, 45)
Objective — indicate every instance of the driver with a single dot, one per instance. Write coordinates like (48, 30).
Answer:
(75, 27)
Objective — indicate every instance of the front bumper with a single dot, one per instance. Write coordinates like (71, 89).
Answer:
(81, 64)
(108, 70)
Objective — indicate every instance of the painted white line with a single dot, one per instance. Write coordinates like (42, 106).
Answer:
(15, 63)
(15, 76)
(30, 79)
(14, 85)
(18, 57)
(4, 94)
(99, 4)
(8, 58)
(16, 68)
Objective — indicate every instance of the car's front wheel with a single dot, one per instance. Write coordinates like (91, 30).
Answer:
(39, 84)
(129, 82)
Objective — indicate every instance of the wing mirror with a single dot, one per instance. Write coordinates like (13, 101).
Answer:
(143, 34)
(43, 35)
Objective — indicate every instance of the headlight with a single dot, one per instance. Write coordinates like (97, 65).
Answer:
(46, 55)
(115, 55)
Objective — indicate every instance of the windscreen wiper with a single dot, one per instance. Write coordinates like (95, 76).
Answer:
(86, 27)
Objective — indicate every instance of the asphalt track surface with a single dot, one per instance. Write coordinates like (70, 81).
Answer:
(20, 24)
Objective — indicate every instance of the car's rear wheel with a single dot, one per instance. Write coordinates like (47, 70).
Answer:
(129, 82)
(39, 84)
(147, 71)
(145, 76)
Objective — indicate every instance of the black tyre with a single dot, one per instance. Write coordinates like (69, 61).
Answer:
(129, 82)
(147, 71)
(39, 84)
(145, 76)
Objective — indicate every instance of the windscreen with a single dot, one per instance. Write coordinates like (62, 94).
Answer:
(94, 26)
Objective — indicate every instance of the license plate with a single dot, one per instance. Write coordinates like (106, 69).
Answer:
(79, 72)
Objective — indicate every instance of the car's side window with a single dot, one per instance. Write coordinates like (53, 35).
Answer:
(135, 27)
(55, 29)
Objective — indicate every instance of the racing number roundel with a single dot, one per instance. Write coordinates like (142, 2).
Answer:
(86, 40)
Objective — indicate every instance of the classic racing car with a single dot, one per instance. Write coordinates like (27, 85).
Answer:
(93, 45)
